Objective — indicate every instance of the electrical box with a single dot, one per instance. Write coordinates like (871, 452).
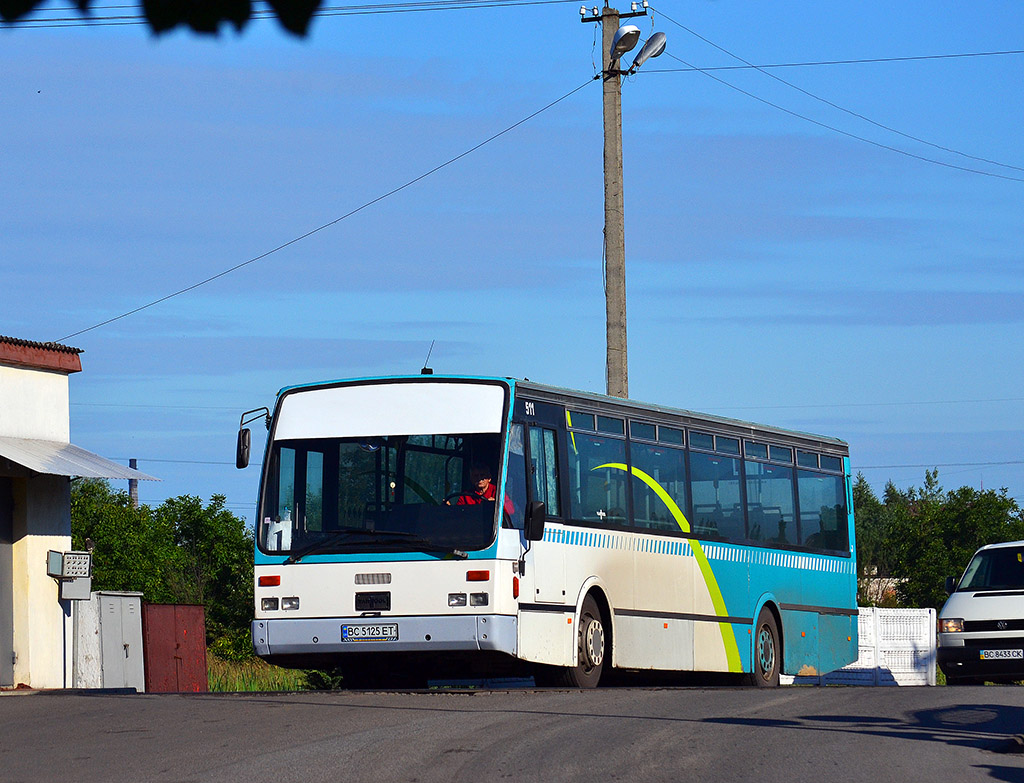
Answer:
(108, 642)
(73, 572)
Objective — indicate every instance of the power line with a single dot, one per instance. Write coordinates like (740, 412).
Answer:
(177, 461)
(310, 233)
(834, 129)
(155, 407)
(941, 465)
(870, 404)
(819, 63)
(442, 5)
(116, 20)
(837, 106)
(798, 406)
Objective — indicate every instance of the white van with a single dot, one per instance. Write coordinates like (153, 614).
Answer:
(981, 627)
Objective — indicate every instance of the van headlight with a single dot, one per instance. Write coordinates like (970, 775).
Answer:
(951, 625)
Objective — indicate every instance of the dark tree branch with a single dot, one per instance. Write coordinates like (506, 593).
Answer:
(201, 16)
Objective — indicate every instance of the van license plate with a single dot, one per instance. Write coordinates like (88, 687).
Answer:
(381, 632)
(1002, 655)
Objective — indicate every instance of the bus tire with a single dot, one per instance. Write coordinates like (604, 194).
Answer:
(591, 651)
(767, 663)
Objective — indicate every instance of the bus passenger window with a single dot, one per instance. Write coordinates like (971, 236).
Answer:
(666, 468)
(597, 480)
(770, 509)
(823, 522)
(715, 488)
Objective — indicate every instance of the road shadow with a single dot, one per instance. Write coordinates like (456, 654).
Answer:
(983, 727)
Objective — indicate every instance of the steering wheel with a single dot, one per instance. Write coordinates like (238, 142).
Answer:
(453, 495)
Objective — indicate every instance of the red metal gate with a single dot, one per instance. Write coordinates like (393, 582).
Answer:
(174, 648)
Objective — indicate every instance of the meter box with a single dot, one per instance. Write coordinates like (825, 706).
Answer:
(73, 572)
(68, 565)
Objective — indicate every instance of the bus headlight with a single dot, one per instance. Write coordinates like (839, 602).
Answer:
(290, 603)
(951, 625)
(269, 604)
(478, 599)
(456, 599)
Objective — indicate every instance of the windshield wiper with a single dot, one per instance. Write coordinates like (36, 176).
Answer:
(383, 537)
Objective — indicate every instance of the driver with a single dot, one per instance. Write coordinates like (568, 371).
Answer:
(481, 487)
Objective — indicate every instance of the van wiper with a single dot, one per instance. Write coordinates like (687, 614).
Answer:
(384, 537)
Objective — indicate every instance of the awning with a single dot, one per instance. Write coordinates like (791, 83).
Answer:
(64, 459)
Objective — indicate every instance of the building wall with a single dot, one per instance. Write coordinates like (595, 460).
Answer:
(42, 624)
(34, 404)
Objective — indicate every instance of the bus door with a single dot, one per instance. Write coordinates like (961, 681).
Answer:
(544, 635)
(548, 558)
(545, 560)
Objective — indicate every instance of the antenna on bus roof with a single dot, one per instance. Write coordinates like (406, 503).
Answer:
(426, 370)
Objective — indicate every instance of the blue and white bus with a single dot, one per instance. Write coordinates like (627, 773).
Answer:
(427, 526)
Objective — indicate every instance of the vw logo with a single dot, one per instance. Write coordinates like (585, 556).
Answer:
(1001, 625)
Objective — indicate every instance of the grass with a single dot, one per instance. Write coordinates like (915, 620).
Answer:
(252, 675)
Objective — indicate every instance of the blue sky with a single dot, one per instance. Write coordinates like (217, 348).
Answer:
(777, 270)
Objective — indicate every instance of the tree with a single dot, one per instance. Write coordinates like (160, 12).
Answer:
(213, 566)
(202, 16)
(920, 536)
(133, 550)
(874, 567)
(180, 552)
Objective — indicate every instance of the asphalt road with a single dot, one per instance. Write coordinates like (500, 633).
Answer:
(636, 734)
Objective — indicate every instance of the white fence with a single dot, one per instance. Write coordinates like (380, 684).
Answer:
(896, 647)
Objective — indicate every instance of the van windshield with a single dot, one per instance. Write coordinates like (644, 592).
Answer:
(995, 569)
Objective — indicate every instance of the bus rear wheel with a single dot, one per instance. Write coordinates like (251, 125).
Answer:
(591, 646)
(767, 651)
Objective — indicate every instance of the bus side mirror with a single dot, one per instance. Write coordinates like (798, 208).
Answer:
(536, 513)
(242, 448)
(950, 585)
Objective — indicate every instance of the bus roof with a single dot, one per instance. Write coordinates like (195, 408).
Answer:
(737, 427)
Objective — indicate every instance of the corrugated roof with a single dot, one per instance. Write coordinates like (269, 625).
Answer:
(64, 459)
(59, 347)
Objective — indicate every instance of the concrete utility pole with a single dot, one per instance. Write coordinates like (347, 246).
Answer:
(616, 368)
(616, 372)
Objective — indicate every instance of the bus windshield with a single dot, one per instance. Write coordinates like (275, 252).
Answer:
(380, 494)
(995, 569)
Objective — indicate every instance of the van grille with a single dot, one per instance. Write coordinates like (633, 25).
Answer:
(993, 625)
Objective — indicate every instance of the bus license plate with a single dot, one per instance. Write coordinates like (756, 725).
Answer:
(382, 632)
(1002, 655)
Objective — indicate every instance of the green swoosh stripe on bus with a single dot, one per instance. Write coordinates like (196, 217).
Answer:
(732, 652)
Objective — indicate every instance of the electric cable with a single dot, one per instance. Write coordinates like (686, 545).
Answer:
(334, 222)
(842, 132)
(835, 105)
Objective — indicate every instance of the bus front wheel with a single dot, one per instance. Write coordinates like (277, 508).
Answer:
(591, 651)
(767, 651)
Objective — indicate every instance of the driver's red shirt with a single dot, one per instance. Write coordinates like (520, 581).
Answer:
(476, 498)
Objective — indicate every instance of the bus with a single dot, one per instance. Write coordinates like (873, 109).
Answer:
(424, 527)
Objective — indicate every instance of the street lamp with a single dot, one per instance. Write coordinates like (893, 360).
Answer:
(617, 41)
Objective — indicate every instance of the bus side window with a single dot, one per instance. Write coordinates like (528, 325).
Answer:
(597, 479)
(823, 522)
(544, 469)
(515, 479)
